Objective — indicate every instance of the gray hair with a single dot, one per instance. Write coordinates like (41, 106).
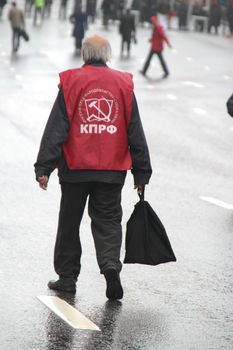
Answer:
(96, 48)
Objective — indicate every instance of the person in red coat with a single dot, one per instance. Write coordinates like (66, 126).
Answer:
(157, 40)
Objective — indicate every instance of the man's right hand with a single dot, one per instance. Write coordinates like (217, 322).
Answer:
(43, 182)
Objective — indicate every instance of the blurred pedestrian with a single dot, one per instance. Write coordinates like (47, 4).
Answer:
(163, 10)
(127, 30)
(47, 8)
(28, 7)
(182, 14)
(214, 16)
(38, 11)
(230, 16)
(62, 9)
(157, 39)
(94, 135)
(147, 9)
(199, 10)
(16, 18)
(2, 4)
(106, 9)
(91, 10)
(230, 105)
(79, 20)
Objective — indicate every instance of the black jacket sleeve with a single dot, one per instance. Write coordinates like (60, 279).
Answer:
(55, 134)
(230, 106)
(141, 168)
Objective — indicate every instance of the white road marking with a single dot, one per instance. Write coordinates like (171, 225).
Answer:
(199, 111)
(171, 97)
(18, 77)
(194, 84)
(150, 86)
(3, 53)
(67, 312)
(189, 59)
(226, 77)
(174, 51)
(207, 68)
(217, 202)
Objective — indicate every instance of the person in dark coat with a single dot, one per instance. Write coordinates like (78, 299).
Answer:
(148, 8)
(95, 117)
(230, 105)
(199, 10)
(182, 13)
(2, 4)
(91, 9)
(127, 30)
(79, 20)
(214, 16)
(230, 16)
(106, 9)
(157, 40)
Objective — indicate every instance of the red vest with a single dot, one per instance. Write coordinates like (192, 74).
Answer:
(99, 104)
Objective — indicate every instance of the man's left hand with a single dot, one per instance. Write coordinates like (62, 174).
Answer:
(139, 188)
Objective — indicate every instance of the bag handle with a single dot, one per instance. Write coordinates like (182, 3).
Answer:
(142, 195)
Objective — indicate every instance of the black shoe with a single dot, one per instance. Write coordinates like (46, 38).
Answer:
(114, 288)
(63, 285)
(165, 75)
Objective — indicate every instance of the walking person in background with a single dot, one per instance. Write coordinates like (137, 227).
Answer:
(62, 9)
(106, 8)
(157, 40)
(230, 16)
(79, 20)
(163, 10)
(182, 14)
(94, 135)
(28, 7)
(214, 16)
(2, 4)
(47, 8)
(127, 30)
(38, 10)
(16, 18)
(91, 10)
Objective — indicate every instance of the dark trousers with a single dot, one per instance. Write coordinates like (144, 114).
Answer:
(230, 22)
(15, 39)
(128, 45)
(78, 43)
(161, 59)
(104, 209)
(210, 25)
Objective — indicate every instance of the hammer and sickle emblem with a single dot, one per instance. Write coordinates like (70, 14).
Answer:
(99, 114)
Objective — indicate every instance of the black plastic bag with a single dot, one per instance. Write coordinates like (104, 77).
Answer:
(146, 238)
(24, 34)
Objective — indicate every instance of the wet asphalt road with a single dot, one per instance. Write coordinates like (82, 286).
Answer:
(175, 306)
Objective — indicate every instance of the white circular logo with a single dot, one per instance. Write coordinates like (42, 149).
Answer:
(98, 105)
